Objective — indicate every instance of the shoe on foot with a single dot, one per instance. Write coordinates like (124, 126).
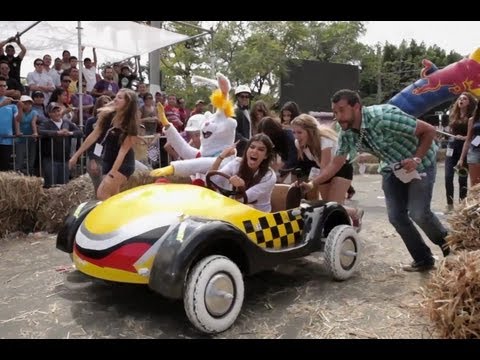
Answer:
(357, 219)
(449, 208)
(350, 193)
(445, 249)
(420, 266)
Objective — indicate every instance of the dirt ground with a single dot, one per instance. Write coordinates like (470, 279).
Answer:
(44, 297)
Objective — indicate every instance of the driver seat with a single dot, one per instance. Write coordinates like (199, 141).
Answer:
(285, 197)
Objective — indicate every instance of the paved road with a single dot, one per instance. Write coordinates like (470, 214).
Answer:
(42, 297)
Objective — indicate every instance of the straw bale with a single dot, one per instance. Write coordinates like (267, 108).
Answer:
(465, 223)
(441, 155)
(14, 220)
(59, 200)
(19, 192)
(452, 296)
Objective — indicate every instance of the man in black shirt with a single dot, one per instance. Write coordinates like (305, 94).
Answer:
(9, 55)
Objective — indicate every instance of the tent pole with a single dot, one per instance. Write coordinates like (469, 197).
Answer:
(28, 28)
(80, 75)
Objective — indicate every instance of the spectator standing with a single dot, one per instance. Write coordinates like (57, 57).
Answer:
(106, 86)
(471, 148)
(242, 115)
(199, 108)
(56, 145)
(14, 62)
(52, 72)
(90, 71)
(26, 147)
(14, 88)
(38, 80)
(8, 114)
(461, 111)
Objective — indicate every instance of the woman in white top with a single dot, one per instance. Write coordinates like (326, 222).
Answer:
(316, 146)
(251, 172)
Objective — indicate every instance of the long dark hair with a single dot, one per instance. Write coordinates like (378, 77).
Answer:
(455, 115)
(245, 172)
(129, 115)
(274, 130)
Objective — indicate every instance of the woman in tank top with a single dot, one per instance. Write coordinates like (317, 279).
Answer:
(460, 112)
(116, 131)
(471, 148)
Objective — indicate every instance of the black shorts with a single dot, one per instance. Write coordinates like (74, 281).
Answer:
(126, 169)
(346, 172)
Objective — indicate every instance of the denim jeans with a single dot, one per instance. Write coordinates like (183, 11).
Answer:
(450, 163)
(411, 201)
(55, 172)
(25, 155)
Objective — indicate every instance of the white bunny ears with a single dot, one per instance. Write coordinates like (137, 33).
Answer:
(221, 87)
(221, 83)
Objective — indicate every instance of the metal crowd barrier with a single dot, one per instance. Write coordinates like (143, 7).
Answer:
(53, 171)
(149, 150)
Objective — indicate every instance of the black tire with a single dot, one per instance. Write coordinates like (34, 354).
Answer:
(210, 308)
(342, 250)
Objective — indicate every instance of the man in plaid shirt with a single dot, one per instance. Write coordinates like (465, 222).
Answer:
(394, 137)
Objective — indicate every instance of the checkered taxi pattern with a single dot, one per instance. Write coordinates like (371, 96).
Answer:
(275, 231)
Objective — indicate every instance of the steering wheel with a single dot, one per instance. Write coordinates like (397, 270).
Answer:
(236, 192)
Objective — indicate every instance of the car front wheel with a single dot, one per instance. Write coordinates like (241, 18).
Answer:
(342, 249)
(214, 294)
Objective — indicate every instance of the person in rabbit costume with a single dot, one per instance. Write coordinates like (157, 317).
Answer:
(217, 133)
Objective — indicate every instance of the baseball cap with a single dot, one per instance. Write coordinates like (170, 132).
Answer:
(195, 122)
(25, 98)
(52, 106)
(37, 93)
(199, 102)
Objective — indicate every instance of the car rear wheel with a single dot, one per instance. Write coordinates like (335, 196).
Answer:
(213, 294)
(342, 249)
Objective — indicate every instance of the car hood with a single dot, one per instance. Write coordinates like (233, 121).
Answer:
(164, 200)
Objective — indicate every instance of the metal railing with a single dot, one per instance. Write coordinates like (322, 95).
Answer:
(48, 156)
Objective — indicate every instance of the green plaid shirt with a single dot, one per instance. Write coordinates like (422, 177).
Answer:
(389, 134)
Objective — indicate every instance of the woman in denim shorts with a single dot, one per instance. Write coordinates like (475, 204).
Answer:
(471, 148)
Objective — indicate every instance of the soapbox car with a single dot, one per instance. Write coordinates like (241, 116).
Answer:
(193, 243)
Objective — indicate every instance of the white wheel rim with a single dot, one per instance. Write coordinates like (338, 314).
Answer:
(219, 294)
(348, 253)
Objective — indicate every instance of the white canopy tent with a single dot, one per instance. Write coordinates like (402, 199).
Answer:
(114, 40)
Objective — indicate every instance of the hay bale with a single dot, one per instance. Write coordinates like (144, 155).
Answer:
(441, 155)
(20, 197)
(59, 200)
(465, 223)
(14, 220)
(452, 297)
(19, 192)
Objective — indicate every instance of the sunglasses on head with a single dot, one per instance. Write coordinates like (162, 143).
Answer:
(38, 64)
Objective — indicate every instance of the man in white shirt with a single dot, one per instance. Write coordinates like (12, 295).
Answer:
(38, 80)
(90, 71)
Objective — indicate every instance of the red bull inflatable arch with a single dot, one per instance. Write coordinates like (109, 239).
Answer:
(437, 86)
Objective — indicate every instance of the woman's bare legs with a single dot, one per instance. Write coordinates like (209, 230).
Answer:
(474, 172)
(110, 185)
